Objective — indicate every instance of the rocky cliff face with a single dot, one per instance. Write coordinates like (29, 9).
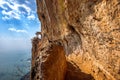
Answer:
(80, 40)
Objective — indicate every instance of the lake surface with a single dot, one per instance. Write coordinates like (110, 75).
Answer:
(14, 65)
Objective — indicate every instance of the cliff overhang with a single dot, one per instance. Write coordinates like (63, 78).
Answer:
(78, 37)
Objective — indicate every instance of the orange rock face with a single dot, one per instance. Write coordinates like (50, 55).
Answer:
(49, 63)
(87, 32)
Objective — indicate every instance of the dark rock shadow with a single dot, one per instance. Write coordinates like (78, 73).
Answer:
(74, 73)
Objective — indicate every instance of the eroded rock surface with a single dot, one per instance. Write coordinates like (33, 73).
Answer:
(49, 62)
(89, 33)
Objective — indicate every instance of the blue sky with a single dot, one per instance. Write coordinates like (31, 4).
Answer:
(18, 24)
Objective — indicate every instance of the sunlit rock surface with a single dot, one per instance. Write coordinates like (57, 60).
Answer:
(87, 32)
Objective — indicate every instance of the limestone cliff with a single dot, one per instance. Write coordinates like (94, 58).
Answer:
(80, 40)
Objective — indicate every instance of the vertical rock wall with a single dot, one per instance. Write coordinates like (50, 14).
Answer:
(87, 30)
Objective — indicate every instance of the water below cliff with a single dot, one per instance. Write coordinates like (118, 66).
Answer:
(14, 65)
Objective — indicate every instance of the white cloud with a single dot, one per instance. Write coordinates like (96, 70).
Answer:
(3, 7)
(14, 11)
(26, 8)
(10, 14)
(27, 2)
(17, 30)
(31, 17)
(5, 18)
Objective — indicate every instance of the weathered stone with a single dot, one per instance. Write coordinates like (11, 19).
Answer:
(89, 31)
(50, 63)
(74, 73)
